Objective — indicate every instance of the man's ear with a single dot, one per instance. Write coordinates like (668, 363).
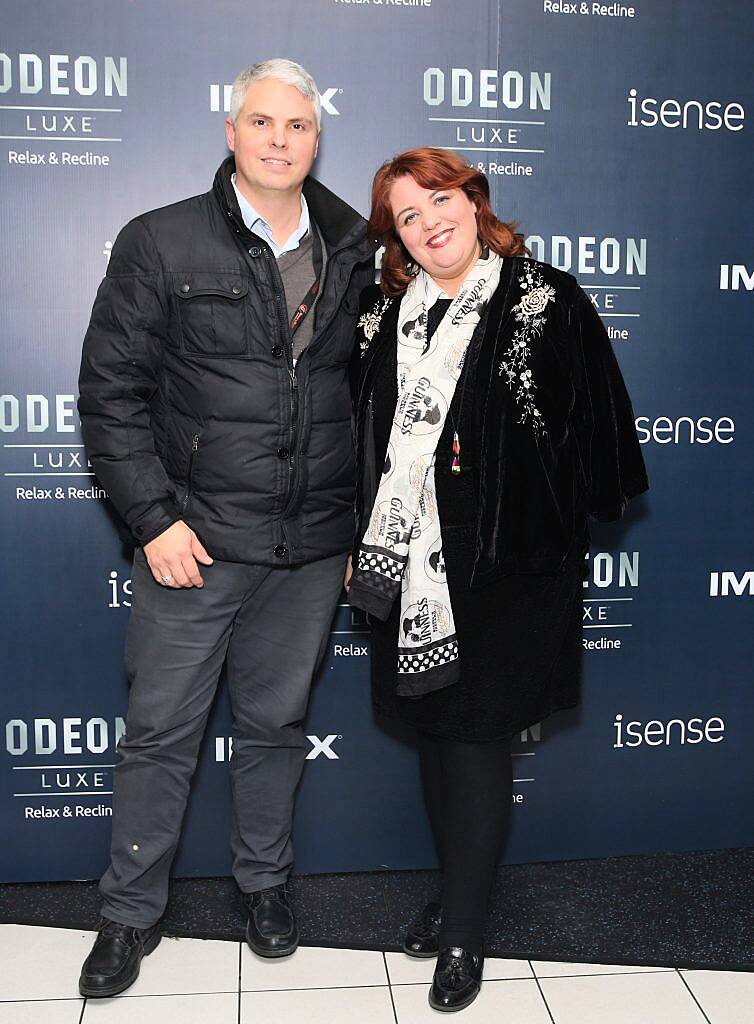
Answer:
(230, 135)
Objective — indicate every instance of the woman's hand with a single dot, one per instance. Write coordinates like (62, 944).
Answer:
(349, 573)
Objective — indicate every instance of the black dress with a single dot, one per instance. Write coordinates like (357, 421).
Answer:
(519, 639)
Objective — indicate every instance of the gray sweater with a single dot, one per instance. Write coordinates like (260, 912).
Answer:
(297, 271)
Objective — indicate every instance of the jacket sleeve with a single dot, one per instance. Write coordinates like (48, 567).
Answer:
(119, 378)
(611, 460)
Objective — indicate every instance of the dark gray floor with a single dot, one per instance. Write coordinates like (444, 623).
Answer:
(691, 910)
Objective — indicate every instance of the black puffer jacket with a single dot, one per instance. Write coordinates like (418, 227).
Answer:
(189, 405)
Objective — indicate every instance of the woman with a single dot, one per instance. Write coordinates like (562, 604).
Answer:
(492, 419)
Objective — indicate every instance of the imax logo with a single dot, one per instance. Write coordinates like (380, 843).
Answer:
(323, 747)
(723, 584)
(224, 747)
(733, 275)
(215, 91)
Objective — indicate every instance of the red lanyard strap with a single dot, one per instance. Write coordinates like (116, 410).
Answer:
(308, 301)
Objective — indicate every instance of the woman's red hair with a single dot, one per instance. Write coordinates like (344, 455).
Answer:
(432, 168)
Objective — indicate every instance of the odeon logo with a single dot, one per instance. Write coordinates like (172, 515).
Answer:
(727, 583)
(43, 90)
(488, 88)
(219, 99)
(467, 109)
(612, 583)
(40, 737)
(710, 115)
(675, 732)
(605, 569)
(685, 430)
(37, 443)
(611, 270)
(588, 254)
(60, 74)
(37, 414)
(320, 746)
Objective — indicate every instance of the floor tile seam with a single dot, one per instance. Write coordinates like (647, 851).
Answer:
(313, 988)
(548, 977)
(693, 996)
(541, 993)
(605, 974)
(240, 969)
(42, 999)
(163, 995)
(485, 981)
(390, 988)
(714, 970)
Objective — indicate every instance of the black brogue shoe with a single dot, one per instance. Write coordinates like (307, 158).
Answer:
(271, 929)
(422, 938)
(115, 959)
(457, 980)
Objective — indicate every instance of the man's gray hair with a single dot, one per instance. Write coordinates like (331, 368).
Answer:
(287, 71)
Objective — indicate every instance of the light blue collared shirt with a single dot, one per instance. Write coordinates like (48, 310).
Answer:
(256, 223)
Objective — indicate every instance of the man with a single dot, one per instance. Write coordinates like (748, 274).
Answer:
(216, 411)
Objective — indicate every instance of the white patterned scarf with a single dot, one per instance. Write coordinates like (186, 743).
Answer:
(401, 551)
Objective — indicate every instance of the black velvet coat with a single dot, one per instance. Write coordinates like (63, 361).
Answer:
(536, 483)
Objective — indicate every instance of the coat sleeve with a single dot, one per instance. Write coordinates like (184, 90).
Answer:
(611, 460)
(118, 381)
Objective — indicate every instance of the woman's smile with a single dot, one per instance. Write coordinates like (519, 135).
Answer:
(439, 240)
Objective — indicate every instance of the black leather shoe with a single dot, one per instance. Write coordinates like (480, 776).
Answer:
(423, 936)
(271, 929)
(114, 961)
(457, 980)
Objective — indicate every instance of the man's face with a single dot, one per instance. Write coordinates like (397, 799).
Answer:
(275, 138)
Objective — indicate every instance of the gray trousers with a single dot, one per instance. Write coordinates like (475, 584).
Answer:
(271, 627)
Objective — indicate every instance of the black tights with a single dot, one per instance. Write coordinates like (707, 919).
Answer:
(468, 790)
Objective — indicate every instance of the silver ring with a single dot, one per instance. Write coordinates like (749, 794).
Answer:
(166, 579)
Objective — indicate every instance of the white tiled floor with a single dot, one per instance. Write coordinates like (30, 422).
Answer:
(189, 981)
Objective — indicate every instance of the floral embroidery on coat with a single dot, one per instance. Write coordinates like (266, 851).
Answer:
(531, 314)
(370, 322)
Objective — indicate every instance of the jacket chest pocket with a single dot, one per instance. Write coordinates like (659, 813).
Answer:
(212, 314)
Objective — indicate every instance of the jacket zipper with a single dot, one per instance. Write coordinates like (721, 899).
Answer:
(294, 397)
(288, 346)
(194, 450)
(294, 426)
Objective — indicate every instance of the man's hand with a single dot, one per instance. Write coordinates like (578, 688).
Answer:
(172, 557)
(349, 573)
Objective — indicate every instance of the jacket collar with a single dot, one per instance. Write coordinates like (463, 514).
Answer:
(340, 224)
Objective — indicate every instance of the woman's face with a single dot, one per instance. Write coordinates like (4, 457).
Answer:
(437, 226)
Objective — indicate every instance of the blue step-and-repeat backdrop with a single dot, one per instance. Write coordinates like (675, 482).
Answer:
(619, 136)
